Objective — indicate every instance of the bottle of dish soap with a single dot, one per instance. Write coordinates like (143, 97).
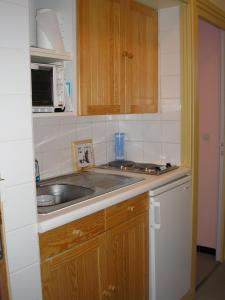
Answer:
(37, 173)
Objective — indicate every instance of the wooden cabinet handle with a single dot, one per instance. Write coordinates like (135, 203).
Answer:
(131, 208)
(130, 55)
(77, 233)
(106, 294)
(112, 288)
(124, 53)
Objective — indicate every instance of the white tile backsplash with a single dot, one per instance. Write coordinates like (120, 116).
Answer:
(152, 152)
(152, 131)
(133, 130)
(100, 152)
(170, 64)
(134, 151)
(170, 87)
(22, 247)
(26, 283)
(171, 153)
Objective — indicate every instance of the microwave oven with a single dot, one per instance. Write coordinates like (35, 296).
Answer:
(47, 83)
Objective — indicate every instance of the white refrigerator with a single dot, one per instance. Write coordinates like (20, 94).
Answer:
(171, 240)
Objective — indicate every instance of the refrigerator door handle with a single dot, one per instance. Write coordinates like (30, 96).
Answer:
(156, 218)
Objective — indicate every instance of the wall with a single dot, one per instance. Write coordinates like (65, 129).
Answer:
(209, 127)
(16, 152)
(149, 137)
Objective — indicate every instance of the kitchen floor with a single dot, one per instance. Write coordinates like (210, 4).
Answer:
(206, 264)
(210, 278)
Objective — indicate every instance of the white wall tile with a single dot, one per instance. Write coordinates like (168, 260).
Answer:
(66, 165)
(100, 153)
(26, 283)
(171, 131)
(99, 132)
(68, 133)
(17, 162)
(14, 71)
(110, 155)
(16, 18)
(170, 64)
(111, 128)
(152, 131)
(20, 206)
(22, 247)
(171, 153)
(152, 152)
(168, 18)
(134, 151)
(170, 87)
(15, 117)
(169, 40)
(51, 164)
(84, 131)
(19, 2)
(133, 130)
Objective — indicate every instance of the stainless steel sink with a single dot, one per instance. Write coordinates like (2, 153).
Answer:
(63, 192)
(77, 187)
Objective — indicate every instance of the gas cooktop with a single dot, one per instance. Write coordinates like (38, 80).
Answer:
(136, 167)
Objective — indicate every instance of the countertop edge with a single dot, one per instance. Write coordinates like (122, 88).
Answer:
(80, 210)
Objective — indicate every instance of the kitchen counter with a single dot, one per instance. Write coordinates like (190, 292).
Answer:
(70, 213)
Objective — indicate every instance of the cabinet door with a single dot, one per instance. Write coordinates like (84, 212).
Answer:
(141, 60)
(100, 55)
(76, 274)
(127, 260)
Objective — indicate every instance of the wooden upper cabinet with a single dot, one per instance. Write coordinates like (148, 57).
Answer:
(100, 31)
(142, 78)
(117, 57)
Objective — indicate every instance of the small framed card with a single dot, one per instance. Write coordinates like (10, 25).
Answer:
(83, 154)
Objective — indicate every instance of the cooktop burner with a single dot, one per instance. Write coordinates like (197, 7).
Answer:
(136, 167)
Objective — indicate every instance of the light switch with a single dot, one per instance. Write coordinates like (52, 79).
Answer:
(206, 136)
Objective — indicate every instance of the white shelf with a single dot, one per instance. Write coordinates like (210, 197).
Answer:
(56, 114)
(42, 55)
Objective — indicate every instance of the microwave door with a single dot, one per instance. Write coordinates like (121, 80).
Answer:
(42, 87)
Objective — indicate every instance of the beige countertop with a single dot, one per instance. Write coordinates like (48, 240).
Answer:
(73, 212)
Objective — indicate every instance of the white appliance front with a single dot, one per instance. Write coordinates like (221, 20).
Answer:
(171, 240)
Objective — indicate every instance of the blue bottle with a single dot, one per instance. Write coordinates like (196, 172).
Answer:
(119, 146)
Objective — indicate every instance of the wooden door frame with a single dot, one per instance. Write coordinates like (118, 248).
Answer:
(190, 13)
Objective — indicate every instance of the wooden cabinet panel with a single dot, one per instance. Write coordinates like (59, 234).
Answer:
(117, 57)
(65, 237)
(127, 259)
(99, 265)
(142, 78)
(77, 274)
(125, 210)
(100, 36)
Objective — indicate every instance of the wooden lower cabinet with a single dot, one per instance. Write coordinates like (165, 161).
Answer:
(112, 265)
(127, 260)
(76, 274)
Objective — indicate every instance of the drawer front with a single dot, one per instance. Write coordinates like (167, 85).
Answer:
(126, 210)
(67, 236)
